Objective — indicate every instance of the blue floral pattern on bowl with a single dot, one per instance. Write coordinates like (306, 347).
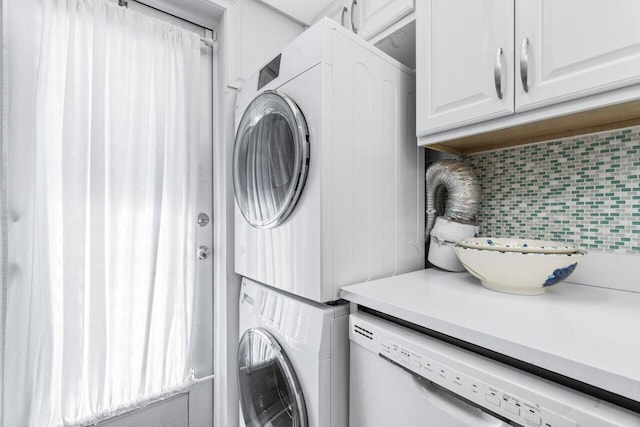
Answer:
(518, 245)
(559, 275)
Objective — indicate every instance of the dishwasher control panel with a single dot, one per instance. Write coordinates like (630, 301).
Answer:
(499, 389)
(480, 393)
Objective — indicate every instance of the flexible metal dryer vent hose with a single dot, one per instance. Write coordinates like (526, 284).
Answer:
(452, 191)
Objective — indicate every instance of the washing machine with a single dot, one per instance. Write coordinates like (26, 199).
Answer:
(293, 360)
(327, 176)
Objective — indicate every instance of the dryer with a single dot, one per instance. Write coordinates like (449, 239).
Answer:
(328, 179)
(292, 360)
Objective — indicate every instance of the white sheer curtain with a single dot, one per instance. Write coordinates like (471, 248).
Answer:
(99, 275)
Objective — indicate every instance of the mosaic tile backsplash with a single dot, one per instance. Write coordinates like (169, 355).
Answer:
(583, 190)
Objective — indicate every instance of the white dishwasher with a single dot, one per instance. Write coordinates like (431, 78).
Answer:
(400, 377)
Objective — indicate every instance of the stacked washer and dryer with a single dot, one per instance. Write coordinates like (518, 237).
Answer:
(329, 191)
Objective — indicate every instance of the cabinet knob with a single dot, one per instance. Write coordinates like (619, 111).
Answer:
(524, 64)
(497, 73)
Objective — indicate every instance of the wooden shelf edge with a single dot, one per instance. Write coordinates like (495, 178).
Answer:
(592, 121)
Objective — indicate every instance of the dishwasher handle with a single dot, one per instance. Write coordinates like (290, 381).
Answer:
(455, 407)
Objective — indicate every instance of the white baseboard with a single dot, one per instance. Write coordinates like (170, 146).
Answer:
(171, 412)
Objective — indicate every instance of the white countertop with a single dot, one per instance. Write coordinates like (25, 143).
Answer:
(583, 332)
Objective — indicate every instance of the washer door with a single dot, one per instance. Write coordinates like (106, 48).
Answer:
(270, 159)
(270, 394)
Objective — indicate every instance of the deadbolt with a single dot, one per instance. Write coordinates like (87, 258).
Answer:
(203, 252)
(203, 219)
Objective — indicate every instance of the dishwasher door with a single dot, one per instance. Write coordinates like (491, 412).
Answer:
(401, 377)
(384, 395)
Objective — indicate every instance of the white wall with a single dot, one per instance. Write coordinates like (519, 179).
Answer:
(256, 34)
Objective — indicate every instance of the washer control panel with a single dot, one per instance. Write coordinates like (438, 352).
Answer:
(502, 403)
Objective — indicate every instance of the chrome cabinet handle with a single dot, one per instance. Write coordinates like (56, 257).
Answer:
(344, 11)
(353, 10)
(497, 73)
(524, 64)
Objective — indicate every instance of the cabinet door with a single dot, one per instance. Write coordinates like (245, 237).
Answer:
(567, 49)
(339, 12)
(372, 16)
(464, 58)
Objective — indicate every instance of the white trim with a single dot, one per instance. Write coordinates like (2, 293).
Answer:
(227, 283)
(3, 200)
(171, 410)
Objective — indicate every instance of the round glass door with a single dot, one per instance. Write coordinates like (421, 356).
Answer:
(270, 395)
(270, 159)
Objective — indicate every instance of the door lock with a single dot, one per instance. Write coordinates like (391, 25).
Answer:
(203, 219)
(203, 252)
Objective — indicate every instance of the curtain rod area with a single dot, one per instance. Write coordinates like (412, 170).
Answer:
(207, 41)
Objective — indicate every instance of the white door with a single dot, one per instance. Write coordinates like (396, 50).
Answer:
(567, 49)
(464, 55)
(172, 411)
(374, 16)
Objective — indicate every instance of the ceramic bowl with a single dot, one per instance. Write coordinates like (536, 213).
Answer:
(517, 245)
(523, 273)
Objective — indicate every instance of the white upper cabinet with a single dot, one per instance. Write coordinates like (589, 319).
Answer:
(339, 12)
(464, 62)
(567, 49)
(372, 16)
(368, 17)
(558, 57)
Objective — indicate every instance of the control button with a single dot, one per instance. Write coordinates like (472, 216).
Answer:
(492, 399)
(531, 419)
(511, 408)
(394, 351)
(404, 356)
(415, 361)
(384, 349)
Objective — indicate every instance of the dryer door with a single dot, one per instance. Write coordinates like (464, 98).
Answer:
(270, 394)
(270, 159)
